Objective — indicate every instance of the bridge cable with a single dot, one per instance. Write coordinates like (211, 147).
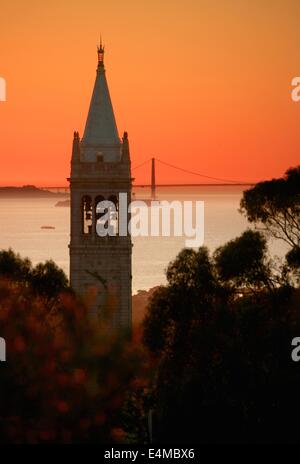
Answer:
(198, 174)
(142, 164)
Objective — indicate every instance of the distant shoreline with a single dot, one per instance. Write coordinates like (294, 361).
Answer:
(29, 191)
(194, 185)
(63, 189)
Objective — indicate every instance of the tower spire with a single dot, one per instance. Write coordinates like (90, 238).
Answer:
(101, 129)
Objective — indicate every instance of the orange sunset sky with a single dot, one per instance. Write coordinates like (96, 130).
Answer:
(203, 84)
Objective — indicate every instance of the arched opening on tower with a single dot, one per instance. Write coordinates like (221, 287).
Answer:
(114, 213)
(87, 215)
(99, 213)
(106, 214)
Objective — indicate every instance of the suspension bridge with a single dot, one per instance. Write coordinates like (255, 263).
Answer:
(153, 184)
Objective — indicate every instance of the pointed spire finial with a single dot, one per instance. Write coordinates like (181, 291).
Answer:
(100, 49)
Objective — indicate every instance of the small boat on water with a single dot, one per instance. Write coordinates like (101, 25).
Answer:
(63, 203)
(48, 227)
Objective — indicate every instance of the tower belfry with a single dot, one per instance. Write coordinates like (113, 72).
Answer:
(100, 266)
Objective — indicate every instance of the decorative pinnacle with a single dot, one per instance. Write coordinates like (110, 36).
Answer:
(100, 50)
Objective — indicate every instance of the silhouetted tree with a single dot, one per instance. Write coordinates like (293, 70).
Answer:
(12, 266)
(274, 206)
(224, 372)
(48, 279)
(244, 262)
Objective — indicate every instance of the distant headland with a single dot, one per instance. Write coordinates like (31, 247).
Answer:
(29, 191)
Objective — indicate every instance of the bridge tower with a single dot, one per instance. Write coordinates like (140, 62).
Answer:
(153, 185)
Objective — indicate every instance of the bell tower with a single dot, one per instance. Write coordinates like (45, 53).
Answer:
(100, 265)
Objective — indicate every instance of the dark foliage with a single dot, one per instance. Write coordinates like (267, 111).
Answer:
(65, 380)
(274, 206)
(243, 261)
(221, 332)
(224, 369)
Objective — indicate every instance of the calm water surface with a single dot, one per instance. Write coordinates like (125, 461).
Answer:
(21, 221)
